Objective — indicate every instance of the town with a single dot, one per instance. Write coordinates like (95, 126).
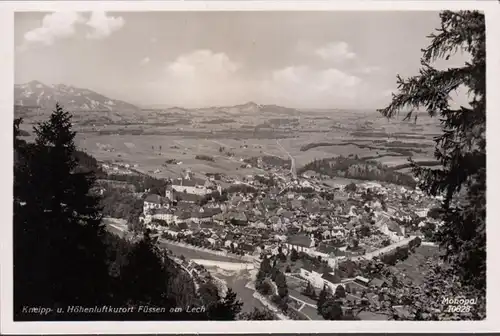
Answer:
(318, 235)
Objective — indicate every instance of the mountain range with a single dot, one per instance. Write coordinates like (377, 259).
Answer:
(43, 98)
(37, 94)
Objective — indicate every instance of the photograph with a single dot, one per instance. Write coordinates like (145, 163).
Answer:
(249, 165)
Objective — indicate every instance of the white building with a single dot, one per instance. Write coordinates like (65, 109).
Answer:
(191, 185)
(154, 202)
(319, 280)
(392, 230)
(312, 276)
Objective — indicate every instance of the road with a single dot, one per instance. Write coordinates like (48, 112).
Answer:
(386, 249)
(293, 169)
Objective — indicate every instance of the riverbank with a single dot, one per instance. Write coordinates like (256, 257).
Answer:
(200, 251)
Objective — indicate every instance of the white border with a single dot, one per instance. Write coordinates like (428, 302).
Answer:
(492, 10)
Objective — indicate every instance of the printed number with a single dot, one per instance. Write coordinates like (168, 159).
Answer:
(458, 309)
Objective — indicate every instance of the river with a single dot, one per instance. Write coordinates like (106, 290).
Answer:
(234, 278)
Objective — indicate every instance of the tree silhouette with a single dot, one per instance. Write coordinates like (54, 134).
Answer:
(351, 187)
(59, 255)
(461, 148)
(309, 291)
(258, 315)
(144, 277)
(281, 284)
(226, 309)
(332, 310)
(339, 292)
(323, 296)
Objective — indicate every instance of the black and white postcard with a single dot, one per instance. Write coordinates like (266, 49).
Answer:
(223, 165)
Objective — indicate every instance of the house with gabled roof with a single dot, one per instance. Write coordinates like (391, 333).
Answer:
(300, 242)
(181, 216)
(153, 201)
(204, 215)
(237, 218)
(378, 283)
(163, 214)
(188, 198)
(392, 229)
(331, 280)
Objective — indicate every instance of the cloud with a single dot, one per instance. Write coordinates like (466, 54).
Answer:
(201, 63)
(202, 77)
(55, 26)
(60, 25)
(144, 61)
(335, 51)
(103, 25)
(206, 78)
(368, 70)
(306, 87)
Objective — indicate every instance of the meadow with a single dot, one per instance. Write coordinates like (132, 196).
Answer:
(155, 138)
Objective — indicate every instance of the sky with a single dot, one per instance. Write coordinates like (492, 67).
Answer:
(199, 59)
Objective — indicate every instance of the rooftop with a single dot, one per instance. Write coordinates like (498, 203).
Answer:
(394, 227)
(190, 198)
(377, 282)
(161, 211)
(362, 279)
(191, 182)
(153, 198)
(300, 240)
(331, 277)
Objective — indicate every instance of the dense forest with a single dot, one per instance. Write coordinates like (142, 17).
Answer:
(360, 169)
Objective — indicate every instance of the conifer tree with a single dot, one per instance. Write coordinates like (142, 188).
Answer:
(281, 284)
(265, 265)
(309, 290)
(227, 308)
(57, 223)
(323, 296)
(461, 148)
(143, 278)
(340, 292)
(294, 255)
(332, 310)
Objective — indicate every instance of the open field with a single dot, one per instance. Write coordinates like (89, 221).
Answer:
(145, 151)
(154, 137)
(151, 151)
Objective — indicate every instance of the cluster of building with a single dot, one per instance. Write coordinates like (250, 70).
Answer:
(263, 213)
(276, 212)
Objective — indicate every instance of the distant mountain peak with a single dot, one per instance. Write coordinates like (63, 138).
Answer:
(251, 103)
(35, 82)
(36, 93)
